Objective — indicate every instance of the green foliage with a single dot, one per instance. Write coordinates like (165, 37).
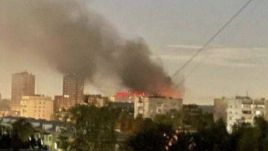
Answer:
(248, 140)
(93, 128)
(187, 130)
(125, 122)
(19, 136)
(173, 118)
(193, 119)
(209, 136)
(23, 129)
(152, 137)
(64, 142)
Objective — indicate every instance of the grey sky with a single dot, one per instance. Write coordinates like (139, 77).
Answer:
(235, 64)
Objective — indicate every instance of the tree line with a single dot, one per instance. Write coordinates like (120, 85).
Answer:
(115, 129)
(186, 130)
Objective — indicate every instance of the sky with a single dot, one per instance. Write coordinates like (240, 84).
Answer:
(234, 64)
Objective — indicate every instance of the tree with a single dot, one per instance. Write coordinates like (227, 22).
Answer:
(261, 127)
(64, 141)
(20, 136)
(94, 128)
(22, 129)
(138, 121)
(248, 140)
(214, 136)
(152, 137)
(163, 119)
(125, 122)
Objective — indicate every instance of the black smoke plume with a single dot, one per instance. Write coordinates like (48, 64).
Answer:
(73, 39)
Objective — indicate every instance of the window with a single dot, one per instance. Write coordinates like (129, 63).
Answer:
(246, 112)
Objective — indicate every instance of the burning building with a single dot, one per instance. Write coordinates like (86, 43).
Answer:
(127, 96)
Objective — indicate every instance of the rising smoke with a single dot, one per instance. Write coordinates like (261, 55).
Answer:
(73, 39)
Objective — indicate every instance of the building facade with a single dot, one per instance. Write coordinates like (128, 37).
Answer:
(73, 88)
(23, 84)
(148, 107)
(96, 100)
(240, 110)
(62, 103)
(37, 107)
(220, 109)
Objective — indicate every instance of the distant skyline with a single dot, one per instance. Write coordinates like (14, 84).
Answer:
(234, 65)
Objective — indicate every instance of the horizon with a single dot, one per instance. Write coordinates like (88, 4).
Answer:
(233, 65)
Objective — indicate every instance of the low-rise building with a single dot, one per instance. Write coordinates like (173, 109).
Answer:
(96, 100)
(37, 107)
(148, 107)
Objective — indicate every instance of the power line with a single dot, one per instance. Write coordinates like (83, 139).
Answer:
(213, 38)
